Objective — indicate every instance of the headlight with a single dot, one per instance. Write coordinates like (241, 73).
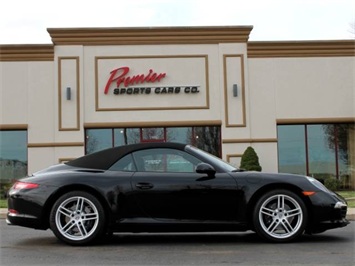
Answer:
(317, 184)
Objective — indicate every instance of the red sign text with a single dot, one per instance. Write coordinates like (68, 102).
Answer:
(119, 76)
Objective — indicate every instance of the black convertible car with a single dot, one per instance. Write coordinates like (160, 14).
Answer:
(169, 187)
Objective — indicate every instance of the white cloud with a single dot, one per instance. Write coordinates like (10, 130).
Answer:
(24, 21)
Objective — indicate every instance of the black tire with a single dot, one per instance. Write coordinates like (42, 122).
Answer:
(280, 216)
(77, 218)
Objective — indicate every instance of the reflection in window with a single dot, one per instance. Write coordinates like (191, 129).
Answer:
(124, 136)
(179, 134)
(165, 160)
(321, 155)
(98, 139)
(207, 138)
(153, 134)
(346, 153)
(124, 164)
(291, 149)
(322, 151)
(13, 154)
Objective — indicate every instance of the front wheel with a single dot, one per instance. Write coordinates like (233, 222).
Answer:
(280, 216)
(77, 218)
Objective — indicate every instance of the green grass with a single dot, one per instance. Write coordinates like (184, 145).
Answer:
(3, 203)
(348, 195)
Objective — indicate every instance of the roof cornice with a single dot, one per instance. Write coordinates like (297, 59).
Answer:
(150, 35)
(301, 48)
(27, 52)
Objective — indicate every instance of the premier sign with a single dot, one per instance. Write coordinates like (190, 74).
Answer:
(119, 76)
(150, 83)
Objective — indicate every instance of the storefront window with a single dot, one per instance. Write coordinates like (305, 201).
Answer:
(292, 149)
(98, 139)
(346, 154)
(13, 154)
(153, 134)
(321, 151)
(179, 134)
(124, 136)
(206, 138)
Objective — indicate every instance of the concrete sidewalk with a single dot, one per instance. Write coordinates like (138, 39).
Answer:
(350, 215)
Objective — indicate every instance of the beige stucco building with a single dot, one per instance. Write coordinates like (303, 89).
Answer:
(172, 77)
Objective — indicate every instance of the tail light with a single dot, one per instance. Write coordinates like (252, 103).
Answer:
(12, 212)
(24, 185)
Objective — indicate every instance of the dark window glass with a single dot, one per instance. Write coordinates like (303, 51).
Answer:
(217, 161)
(291, 149)
(207, 139)
(13, 154)
(153, 134)
(321, 153)
(165, 160)
(98, 139)
(124, 136)
(179, 134)
(120, 136)
(345, 143)
(124, 164)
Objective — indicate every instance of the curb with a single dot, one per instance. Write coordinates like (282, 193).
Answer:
(3, 213)
(350, 215)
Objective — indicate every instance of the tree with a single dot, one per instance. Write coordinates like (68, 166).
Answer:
(338, 137)
(207, 139)
(250, 160)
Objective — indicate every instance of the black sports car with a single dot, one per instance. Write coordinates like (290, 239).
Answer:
(169, 187)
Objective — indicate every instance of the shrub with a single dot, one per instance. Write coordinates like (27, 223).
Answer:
(250, 160)
(332, 184)
(4, 187)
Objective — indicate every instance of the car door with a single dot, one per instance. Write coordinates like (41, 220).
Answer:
(166, 186)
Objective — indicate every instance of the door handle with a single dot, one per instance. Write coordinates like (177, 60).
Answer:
(144, 185)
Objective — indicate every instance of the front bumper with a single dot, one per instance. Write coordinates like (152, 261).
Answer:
(329, 216)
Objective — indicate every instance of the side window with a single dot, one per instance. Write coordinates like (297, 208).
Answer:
(165, 160)
(124, 164)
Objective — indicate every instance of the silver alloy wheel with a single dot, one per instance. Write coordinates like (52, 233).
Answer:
(281, 216)
(76, 218)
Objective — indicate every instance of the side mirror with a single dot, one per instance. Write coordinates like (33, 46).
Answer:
(205, 168)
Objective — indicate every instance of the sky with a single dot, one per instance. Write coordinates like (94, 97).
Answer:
(26, 21)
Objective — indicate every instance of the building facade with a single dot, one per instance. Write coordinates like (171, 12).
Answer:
(94, 88)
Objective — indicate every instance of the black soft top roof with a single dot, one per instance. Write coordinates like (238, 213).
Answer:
(104, 159)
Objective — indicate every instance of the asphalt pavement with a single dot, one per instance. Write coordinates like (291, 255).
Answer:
(20, 246)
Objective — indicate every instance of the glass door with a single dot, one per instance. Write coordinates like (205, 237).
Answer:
(153, 134)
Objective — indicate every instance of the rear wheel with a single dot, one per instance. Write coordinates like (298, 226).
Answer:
(280, 216)
(77, 218)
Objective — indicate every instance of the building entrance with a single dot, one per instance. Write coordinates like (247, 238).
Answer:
(207, 138)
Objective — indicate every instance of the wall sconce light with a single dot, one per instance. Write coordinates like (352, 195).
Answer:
(235, 90)
(68, 93)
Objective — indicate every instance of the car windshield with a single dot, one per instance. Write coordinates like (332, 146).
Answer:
(214, 159)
